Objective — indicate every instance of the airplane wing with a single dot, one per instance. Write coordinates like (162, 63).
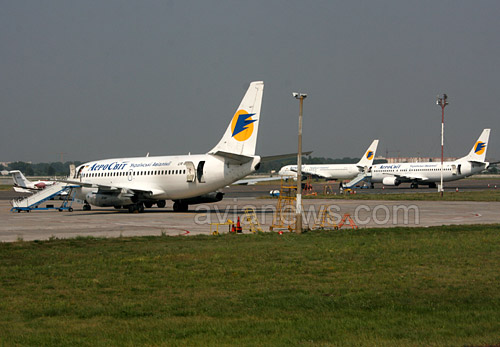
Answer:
(411, 177)
(310, 173)
(134, 189)
(252, 181)
(305, 171)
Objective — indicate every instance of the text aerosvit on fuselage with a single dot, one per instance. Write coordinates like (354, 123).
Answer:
(429, 173)
(133, 183)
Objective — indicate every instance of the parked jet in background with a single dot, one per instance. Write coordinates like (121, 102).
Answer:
(335, 171)
(24, 185)
(429, 173)
(133, 183)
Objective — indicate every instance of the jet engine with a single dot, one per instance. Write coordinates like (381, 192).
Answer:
(391, 181)
(105, 200)
(206, 198)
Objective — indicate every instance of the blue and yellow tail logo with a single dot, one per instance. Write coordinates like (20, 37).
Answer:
(369, 155)
(242, 125)
(480, 147)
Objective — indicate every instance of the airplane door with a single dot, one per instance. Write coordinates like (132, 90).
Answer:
(190, 172)
(78, 174)
(459, 170)
(130, 174)
(199, 171)
(453, 169)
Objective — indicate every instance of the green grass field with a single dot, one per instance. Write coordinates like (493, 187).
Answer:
(483, 195)
(383, 287)
(5, 187)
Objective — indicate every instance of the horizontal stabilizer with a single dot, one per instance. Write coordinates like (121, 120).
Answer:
(22, 190)
(233, 158)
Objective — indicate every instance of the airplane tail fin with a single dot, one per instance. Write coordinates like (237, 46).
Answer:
(367, 158)
(478, 151)
(240, 137)
(19, 178)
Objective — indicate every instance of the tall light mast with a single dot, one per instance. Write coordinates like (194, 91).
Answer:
(442, 101)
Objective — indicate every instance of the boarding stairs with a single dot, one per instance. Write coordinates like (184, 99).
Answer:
(32, 202)
(362, 176)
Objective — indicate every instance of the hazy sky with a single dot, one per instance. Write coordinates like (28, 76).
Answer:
(103, 79)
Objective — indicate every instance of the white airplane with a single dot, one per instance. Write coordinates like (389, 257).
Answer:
(133, 183)
(335, 171)
(428, 173)
(24, 185)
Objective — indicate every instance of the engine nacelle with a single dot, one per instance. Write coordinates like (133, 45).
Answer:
(205, 198)
(105, 200)
(391, 181)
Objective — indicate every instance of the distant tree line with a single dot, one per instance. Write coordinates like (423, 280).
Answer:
(41, 169)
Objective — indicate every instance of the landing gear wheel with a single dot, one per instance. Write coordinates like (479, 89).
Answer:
(180, 207)
(148, 204)
(372, 185)
(161, 203)
(87, 207)
(136, 208)
(414, 186)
